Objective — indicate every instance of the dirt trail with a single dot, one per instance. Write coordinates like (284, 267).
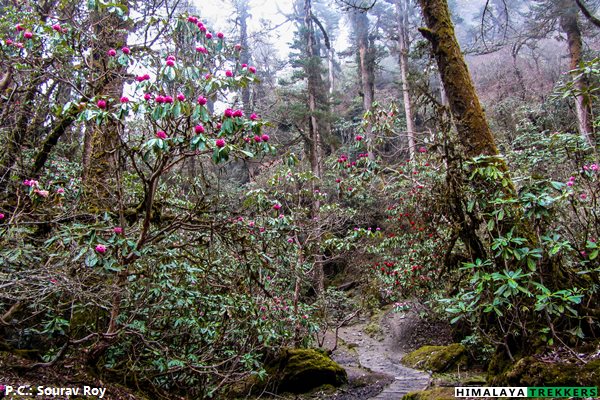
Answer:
(383, 356)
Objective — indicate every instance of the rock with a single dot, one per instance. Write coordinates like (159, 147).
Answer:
(301, 370)
(529, 371)
(439, 393)
(436, 358)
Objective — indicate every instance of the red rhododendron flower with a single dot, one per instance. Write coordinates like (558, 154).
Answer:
(111, 52)
(124, 99)
(192, 19)
(202, 100)
(252, 69)
(56, 27)
(276, 206)
(170, 63)
(101, 104)
(147, 96)
(160, 99)
(220, 143)
(209, 35)
(118, 230)
(358, 138)
(19, 28)
(168, 99)
(28, 35)
(199, 129)
(265, 137)
(228, 73)
(220, 35)
(101, 249)
(180, 97)
(201, 27)
(253, 117)
(257, 139)
(202, 50)
(126, 50)
(238, 113)
(161, 135)
(228, 113)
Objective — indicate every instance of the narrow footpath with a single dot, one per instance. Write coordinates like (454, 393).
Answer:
(383, 353)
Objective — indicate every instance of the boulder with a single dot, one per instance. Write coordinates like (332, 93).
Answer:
(437, 358)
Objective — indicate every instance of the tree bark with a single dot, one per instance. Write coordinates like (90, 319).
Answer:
(366, 58)
(474, 132)
(570, 25)
(403, 43)
(101, 142)
(314, 84)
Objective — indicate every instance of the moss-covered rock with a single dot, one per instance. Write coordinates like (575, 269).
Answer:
(530, 371)
(301, 370)
(439, 393)
(437, 358)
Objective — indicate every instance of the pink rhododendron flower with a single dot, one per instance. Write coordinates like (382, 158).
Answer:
(207, 77)
(147, 96)
(422, 149)
(237, 47)
(290, 240)
(8, 42)
(161, 135)
(209, 35)
(199, 129)
(19, 45)
(253, 117)
(228, 113)
(358, 138)
(126, 50)
(101, 248)
(238, 113)
(202, 50)
(180, 97)
(228, 73)
(60, 191)
(124, 99)
(101, 104)
(30, 182)
(257, 139)
(220, 35)
(19, 28)
(192, 19)
(220, 143)
(246, 139)
(170, 63)
(2, 216)
(111, 52)
(202, 100)
(118, 230)
(160, 99)
(244, 65)
(252, 69)
(168, 99)
(28, 35)
(201, 27)
(265, 137)
(42, 193)
(56, 27)
(276, 206)
(583, 196)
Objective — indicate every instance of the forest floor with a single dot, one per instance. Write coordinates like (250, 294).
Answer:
(371, 349)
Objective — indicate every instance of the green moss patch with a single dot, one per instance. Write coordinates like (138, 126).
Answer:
(301, 370)
(529, 371)
(439, 393)
(436, 358)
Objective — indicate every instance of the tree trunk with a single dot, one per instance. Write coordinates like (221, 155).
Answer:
(242, 10)
(474, 132)
(101, 142)
(314, 84)
(402, 19)
(366, 58)
(569, 24)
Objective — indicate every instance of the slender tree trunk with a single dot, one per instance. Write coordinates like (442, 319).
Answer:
(242, 9)
(570, 25)
(402, 19)
(314, 84)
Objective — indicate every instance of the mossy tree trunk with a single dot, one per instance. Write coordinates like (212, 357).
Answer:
(473, 130)
(101, 142)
